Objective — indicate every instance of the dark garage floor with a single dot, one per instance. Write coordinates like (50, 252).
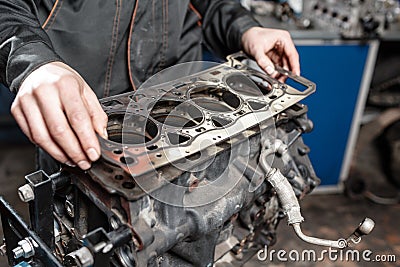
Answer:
(329, 216)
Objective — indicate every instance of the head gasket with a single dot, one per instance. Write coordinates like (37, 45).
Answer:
(190, 110)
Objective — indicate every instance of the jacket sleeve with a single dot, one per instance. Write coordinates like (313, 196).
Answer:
(223, 23)
(24, 45)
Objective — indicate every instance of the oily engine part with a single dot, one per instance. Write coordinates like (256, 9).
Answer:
(199, 168)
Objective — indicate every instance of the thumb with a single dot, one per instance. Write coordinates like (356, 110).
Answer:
(264, 62)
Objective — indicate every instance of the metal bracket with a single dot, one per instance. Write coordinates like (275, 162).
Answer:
(15, 229)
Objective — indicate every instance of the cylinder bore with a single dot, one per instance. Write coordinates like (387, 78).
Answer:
(131, 129)
(250, 85)
(256, 105)
(176, 113)
(215, 98)
(220, 121)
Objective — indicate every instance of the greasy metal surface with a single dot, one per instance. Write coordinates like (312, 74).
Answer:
(179, 181)
(323, 212)
(170, 122)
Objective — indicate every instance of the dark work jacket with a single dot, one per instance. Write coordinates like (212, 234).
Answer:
(114, 44)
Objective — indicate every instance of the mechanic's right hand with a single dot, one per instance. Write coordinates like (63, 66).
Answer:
(59, 112)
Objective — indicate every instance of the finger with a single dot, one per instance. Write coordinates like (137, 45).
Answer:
(58, 126)
(80, 121)
(292, 56)
(285, 65)
(20, 119)
(264, 61)
(282, 78)
(275, 75)
(96, 113)
(38, 130)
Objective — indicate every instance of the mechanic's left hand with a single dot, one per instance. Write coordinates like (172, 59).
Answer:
(269, 47)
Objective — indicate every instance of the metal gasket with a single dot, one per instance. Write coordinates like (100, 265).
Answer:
(165, 123)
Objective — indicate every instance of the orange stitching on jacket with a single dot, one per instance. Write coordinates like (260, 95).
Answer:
(53, 19)
(197, 14)
(51, 14)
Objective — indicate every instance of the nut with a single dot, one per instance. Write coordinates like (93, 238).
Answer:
(26, 193)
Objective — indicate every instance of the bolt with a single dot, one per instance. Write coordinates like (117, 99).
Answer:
(70, 208)
(114, 223)
(3, 250)
(25, 193)
(303, 150)
(366, 226)
(25, 249)
(18, 252)
(57, 232)
(179, 236)
(107, 248)
(80, 258)
(280, 147)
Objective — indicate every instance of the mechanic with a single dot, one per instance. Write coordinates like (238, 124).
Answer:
(59, 56)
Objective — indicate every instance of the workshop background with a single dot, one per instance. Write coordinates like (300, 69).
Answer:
(351, 50)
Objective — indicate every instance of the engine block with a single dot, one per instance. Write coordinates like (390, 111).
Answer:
(180, 180)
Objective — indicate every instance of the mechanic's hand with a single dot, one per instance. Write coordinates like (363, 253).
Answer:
(59, 112)
(269, 47)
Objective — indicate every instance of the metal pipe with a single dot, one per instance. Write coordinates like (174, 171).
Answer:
(291, 208)
(340, 243)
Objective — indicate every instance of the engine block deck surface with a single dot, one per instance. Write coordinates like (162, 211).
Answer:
(181, 122)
